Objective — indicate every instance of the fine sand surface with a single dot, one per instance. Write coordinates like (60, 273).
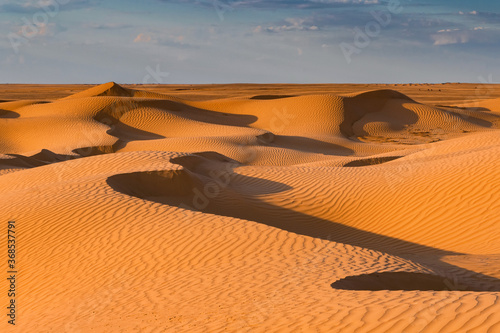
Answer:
(252, 208)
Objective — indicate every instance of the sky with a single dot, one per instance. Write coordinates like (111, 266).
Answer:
(249, 41)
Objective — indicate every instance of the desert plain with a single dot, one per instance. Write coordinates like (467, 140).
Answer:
(252, 208)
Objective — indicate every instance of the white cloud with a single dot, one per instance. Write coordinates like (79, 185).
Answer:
(474, 12)
(448, 30)
(457, 36)
(447, 39)
(291, 24)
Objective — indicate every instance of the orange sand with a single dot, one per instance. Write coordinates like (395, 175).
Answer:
(253, 208)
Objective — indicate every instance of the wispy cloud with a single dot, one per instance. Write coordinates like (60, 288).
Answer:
(279, 4)
(108, 26)
(289, 24)
(142, 38)
(162, 39)
(475, 35)
(33, 6)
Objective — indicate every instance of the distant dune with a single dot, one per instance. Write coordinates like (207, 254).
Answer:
(254, 208)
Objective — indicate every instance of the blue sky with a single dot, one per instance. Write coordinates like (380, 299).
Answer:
(220, 41)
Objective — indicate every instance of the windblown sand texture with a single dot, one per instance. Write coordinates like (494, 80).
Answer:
(226, 210)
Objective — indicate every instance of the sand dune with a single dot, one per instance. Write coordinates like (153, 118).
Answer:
(278, 211)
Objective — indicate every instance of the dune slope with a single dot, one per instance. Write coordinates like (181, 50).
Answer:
(141, 211)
